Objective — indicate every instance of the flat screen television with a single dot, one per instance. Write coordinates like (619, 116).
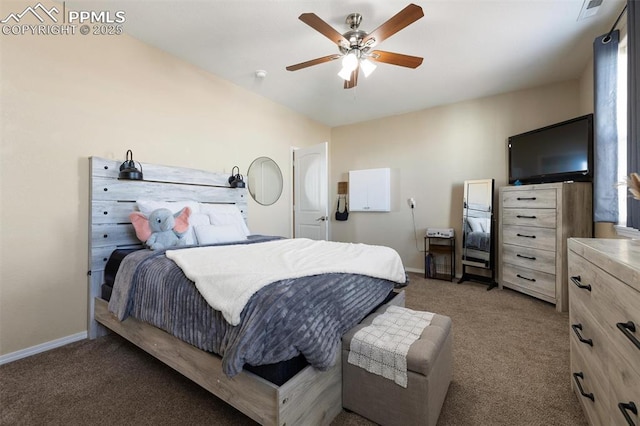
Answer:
(557, 153)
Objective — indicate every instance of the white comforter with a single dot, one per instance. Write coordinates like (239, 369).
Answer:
(227, 276)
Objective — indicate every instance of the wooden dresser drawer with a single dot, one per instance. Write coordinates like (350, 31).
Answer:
(527, 236)
(605, 290)
(588, 335)
(620, 316)
(624, 389)
(543, 218)
(582, 282)
(539, 260)
(590, 386)
(529, 198)
(530, 281)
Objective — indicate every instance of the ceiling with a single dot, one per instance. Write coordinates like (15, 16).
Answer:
(471, 48)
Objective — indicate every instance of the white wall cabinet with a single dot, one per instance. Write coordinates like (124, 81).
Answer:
(370, 190)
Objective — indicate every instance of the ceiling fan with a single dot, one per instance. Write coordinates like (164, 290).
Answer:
(355, 46)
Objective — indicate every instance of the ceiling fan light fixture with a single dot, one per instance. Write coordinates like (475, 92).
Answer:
(345, 73)
(367, 67)
(350, 61)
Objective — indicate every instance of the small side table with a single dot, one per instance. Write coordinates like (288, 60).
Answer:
(440, 258)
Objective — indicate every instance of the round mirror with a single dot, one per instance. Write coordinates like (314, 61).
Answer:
(264, 181)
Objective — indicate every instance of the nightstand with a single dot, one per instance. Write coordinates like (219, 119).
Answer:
(440, 258)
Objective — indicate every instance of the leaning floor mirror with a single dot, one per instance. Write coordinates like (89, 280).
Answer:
(478, 232)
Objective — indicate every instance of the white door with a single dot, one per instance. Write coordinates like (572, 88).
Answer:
(310, 213)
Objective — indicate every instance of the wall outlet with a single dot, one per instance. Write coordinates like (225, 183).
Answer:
(412, 202)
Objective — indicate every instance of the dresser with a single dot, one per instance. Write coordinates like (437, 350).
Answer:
(535, 222)
(604, 316)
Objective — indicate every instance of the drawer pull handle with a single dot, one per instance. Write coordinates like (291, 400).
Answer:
(526, 236)
(577, 282)
(577, 327)
(527, 198)
(627, 328)
(533, 280)
(582, 392)
(525, 257)
(521, 216)
(630, 406)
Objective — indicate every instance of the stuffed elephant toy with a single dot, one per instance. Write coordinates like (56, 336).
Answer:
(162, 229)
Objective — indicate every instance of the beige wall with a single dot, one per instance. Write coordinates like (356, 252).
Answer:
(65, 98)
(431, 153)
(586, 89)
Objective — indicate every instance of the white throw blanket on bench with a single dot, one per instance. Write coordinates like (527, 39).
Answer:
(381, 348)
(227, 276)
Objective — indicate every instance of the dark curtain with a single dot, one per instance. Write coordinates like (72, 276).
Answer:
(605, 132)
(633, 153)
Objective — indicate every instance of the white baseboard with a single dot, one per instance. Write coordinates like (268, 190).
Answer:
(43, 347)
(421, 271)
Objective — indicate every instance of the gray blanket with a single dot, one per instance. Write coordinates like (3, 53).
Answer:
(290, 317)
(478, 240)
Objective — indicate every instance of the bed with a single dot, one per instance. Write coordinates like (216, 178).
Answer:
(312, 396)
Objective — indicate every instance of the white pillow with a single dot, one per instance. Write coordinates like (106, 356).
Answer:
(211, 234)
(475, 223)
(147, 206)
(197, 219)
(225, 214)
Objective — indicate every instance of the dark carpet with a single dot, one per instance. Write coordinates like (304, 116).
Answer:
(511, 367)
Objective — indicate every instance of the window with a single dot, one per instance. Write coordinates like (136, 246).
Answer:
(622, 122)
(621, 116)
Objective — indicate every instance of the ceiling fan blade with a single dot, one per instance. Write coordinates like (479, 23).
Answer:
(312, 62)
(402, 19)
(353, 81)
(323, 28)
(396, 59)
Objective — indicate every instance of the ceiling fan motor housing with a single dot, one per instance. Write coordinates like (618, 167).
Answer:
(355, 38)
(354, 20)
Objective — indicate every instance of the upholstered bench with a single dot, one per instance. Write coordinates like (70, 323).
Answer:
(429, 373)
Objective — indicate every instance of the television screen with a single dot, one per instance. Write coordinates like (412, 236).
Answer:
(556, 153)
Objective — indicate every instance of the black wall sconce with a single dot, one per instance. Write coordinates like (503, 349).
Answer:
(128, 169)
(237, 180)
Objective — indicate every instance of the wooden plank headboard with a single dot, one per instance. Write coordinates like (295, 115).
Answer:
(111, 200)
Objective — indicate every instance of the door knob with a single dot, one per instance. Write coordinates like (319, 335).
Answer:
(322, 218)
